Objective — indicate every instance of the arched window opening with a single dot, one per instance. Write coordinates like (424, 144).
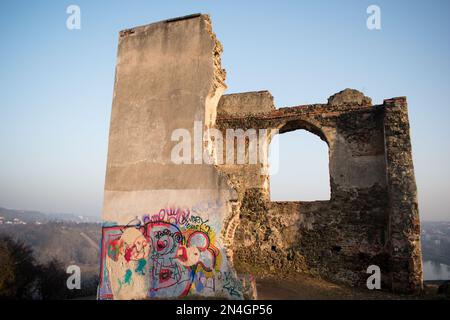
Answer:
(301, 167)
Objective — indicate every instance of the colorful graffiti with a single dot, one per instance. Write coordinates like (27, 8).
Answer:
(170, 254)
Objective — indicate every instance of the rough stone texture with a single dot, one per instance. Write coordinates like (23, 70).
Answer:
(245, 104)
(404, 223)
(172, 230)
(349, 97)
(372, 215)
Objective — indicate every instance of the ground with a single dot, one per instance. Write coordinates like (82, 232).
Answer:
(306, 287)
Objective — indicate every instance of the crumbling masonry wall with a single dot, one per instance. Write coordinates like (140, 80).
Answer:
(372, 216)
(175, 229)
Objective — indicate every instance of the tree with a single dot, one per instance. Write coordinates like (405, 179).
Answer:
(52, 281)
(18, 270)
(7, 276)
(21, 277)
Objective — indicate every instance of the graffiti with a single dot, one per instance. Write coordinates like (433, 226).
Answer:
(125, 251)
(204, 283)
(175, 216)
(175, 257)
(197, 223)
(168, 255)
(231, 284)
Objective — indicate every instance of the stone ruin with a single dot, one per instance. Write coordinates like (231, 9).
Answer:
(194, 228)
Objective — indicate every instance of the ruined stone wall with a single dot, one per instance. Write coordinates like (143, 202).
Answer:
(163, 219)
(179, 223)
(404, 224)
(369, 207)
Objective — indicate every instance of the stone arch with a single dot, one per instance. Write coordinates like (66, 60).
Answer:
(324, 188)
(302, 124)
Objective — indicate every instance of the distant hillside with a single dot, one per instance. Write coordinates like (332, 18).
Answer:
(41, 217)
(69, 242)
(72, 240)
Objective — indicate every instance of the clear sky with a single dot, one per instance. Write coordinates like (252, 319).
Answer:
(56, 85)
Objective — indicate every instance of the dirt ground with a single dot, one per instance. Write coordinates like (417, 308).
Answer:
(305, 287)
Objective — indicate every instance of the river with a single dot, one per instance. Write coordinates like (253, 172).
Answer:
(433, 270)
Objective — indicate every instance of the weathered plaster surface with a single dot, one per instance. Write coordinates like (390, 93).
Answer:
(162, 234)
(174, 230)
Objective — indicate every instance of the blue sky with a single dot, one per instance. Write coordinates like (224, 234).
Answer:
(56, 86)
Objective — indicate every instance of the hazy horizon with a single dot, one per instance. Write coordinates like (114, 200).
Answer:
(57, 87)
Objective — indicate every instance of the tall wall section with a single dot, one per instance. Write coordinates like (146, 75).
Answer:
(163, 220)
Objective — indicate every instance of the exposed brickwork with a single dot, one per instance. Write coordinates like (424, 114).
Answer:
(404, 224)
(169, 77)
(372, 215)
